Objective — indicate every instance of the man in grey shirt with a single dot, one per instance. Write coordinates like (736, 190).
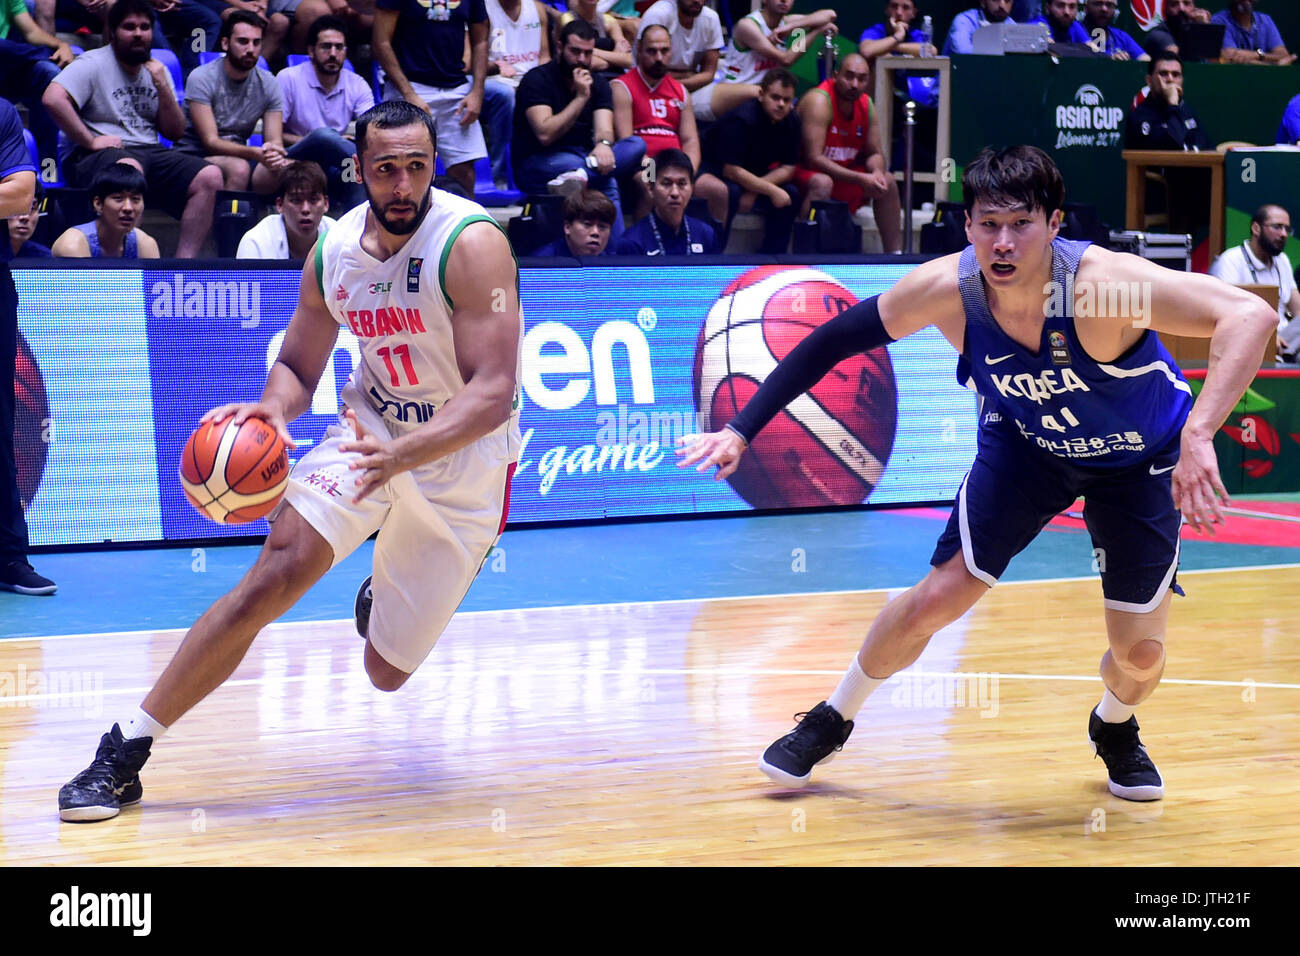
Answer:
(112, 103)
(226, 98)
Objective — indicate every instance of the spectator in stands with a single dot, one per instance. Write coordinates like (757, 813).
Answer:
(1260, 260)
(1164, 120)
(226, 98)
(961, 34)
(299, 218)
(117, 195)
(1251, 37)
(303, 14)
(518, 43)
(1288, 132)
(321, 101)
(1170, 34)
(897, 36)
(112, 103)
(613, 53)
(27, 66)
(589, 219)
(624, 14)
(754, 150)
(1098, 23)
(696, 34)
(174, 19)
(22, 227)
(564, 126)
(1062, 18)
(760, 42)
(421, 47)
(654, 106)
(842, 156)
(668, 231)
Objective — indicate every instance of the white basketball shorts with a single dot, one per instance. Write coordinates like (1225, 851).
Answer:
(456, 144)
(436, 523)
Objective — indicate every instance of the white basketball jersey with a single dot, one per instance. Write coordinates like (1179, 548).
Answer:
(517, 42)
(743, 65)
(401, 315)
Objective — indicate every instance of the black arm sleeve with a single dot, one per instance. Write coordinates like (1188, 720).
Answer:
(854, 330)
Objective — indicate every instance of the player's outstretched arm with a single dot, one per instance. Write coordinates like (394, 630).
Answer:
(926, 296)
(1238, 325)
(308, 344)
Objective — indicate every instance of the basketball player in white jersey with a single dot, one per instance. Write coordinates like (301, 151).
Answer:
(423, 453)
(767, 38)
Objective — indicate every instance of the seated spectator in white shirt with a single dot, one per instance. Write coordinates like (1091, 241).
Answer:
(696, 34)
(517, 44)
(117, 195)
(1260, 261)
(321, 101)
(299, 218)
(226, 98)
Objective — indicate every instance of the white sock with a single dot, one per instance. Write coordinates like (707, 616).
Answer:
(1112, 710)
(142, 725)
(855, 687)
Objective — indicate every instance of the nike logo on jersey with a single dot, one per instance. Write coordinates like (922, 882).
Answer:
(1160, 471)
(989, 360)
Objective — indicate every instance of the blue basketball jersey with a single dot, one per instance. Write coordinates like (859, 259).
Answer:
(1093, 414)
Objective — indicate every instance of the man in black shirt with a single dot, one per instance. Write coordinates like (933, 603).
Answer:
(754, 150)
(564, 126)
(1164, 121)
(1172, 32)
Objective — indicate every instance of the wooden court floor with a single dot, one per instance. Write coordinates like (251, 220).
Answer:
(629, 734)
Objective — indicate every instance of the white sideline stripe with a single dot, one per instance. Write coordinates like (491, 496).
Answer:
(578, 672)
(5, 641)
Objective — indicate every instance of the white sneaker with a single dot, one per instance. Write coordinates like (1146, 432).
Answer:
(566, 184)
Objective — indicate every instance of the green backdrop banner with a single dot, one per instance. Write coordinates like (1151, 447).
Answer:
(1068, 108)
(1255, 178)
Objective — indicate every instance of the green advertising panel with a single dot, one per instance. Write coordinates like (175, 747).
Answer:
(1259, 445)
(1253, 179)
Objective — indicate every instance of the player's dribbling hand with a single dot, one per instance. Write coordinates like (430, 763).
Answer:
(1198, 491)
(378, 463)
(246, 410)
(722, 448)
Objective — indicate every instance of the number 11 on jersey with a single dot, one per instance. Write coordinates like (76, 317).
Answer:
(403, 352)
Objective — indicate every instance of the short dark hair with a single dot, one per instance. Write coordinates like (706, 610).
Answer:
(1261, 214)
(589, 204)
(323, 23)
(303, 176)
(777, 75)
(118, 178)
(1014, 176)
(673, 159)
(393, 114)
(1161, 56)
(125, 8)
(247, 17)
(580, 28)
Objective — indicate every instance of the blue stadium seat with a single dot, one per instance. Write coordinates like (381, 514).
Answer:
(168, 59)
(207, 56)
(295, 58)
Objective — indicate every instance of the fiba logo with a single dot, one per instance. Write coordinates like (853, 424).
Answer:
(1089, 121)
(31, 417)
(830, 446)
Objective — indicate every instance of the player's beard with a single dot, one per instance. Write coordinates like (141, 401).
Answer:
(398, 228)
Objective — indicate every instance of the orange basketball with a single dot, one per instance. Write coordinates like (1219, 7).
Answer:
(234, 475)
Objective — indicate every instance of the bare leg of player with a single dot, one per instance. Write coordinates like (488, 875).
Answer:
(896, 639)
(887, 208)
(294, 558)
(819, 190)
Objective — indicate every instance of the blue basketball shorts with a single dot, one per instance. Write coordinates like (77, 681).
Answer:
(1014, 489)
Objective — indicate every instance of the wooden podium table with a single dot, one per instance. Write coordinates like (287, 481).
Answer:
(1140, 160)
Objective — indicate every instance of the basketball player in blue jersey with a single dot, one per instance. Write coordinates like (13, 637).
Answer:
(1071, 406)
(423, 454)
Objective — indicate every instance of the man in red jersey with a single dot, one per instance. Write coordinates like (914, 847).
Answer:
(650, 103)
(842, 154)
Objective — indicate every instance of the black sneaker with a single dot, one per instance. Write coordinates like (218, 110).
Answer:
(820, 735)
(361, 609)
(1132, 774)
(22, 577)
(111, 782)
